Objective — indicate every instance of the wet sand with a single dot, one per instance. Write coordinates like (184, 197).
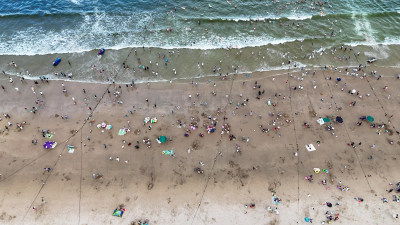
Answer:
(158, 64)
(165, 189)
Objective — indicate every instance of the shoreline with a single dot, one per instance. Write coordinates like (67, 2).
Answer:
(215, 77)
(153, 64)
(276, 72)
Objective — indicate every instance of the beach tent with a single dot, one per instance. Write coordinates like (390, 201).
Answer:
(71, 148)
(370, 118)
(118, 212)
(320, 121)
(48, 145)
(339, 119)
(162, 139)
(310, 147)
(123, 131)
(327, 120)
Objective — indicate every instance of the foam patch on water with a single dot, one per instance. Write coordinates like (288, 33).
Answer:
(363, 26)
(387, 42)
(300, 17)
(77, 2)
(392, 41)
(255, 18)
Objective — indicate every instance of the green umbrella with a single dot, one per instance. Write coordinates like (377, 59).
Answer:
(326, 120)
(370, 118)
(162, 139)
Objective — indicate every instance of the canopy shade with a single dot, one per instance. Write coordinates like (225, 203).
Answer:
(162, 139)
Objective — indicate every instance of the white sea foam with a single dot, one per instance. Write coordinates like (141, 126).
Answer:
(363, 27)
(99, 30)
(380, 49)
(387, 41)
(77, 2)
(391, 41)
(255, 18)
(70, 42)
(300, 17)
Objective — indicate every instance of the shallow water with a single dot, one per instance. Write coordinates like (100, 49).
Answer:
(260, 35)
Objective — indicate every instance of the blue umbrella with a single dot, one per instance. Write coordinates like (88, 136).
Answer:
(48, 145)
(57, 61)
(162, 139)
(166, 60)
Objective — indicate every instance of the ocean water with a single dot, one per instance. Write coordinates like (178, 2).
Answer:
(197, 37)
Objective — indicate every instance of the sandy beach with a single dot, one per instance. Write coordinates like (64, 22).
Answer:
(199, 112)
(254, 174)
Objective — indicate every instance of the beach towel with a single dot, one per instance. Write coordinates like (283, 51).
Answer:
(168, 152)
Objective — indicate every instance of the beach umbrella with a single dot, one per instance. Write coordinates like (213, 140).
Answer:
(339, 119)
(56, 62)
(48, 145)
(118, 213)
(162, 139)
(326, 120)
(370, 118)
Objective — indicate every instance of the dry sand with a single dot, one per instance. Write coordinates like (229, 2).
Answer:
(165, 189)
